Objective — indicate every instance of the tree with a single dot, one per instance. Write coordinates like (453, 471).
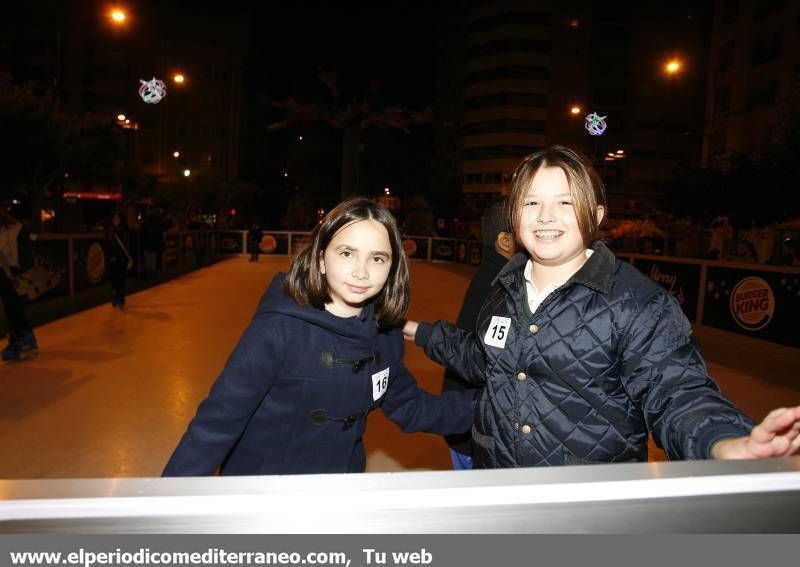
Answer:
(352, 117)
(41, 146)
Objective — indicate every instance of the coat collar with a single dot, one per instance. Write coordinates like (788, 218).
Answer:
(597, 273)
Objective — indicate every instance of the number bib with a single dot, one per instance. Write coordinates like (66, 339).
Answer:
(497, 332)
(380, 381)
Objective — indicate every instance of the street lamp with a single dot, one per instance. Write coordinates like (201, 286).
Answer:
(118, 16)
(575, 110)
(176, 154)
(673, 66)
(179, 78)
(187, 172)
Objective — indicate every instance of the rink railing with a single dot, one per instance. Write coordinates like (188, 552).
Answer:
(754, 300)
(677, 497)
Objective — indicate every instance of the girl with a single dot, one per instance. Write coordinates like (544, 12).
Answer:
(580, 354)
(323, 350)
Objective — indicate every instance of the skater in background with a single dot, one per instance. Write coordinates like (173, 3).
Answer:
(119, 259)
(16, 256)
(323, 350)
(254, 236)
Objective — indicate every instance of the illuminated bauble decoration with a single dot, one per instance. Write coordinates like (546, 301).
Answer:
(152, 91)
(595, 124)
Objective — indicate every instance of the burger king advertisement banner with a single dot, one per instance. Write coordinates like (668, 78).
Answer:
(416, 247)
(755, 303)
(274, 243)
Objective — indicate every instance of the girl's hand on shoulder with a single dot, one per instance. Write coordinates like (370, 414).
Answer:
(410, 330)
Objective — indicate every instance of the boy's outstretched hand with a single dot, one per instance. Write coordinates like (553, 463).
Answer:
(778, 435)
(410, 330)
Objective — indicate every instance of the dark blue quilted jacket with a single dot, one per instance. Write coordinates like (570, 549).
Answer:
(293, 367)
(607, 358)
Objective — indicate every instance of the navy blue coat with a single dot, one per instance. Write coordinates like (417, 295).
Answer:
(293, 367)
(607, 358)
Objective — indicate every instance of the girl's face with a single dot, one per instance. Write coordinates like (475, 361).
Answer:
(356, 265)
(548, 226)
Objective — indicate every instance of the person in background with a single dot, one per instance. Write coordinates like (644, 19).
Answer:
(498, 247)
(16, 256)
(744, 252)
(119, 259)
(152, 241)
(254, 236)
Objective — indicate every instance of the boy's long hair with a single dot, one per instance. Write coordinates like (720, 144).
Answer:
(585, 185)
(306, 284)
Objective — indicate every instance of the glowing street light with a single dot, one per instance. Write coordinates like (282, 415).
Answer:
(187, 172)
(179, 78)
(673, 66)
(121, 117)
(176, 154)
(575, 110)
(118, 16)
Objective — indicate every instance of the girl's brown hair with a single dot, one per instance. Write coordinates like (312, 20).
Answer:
(306, 284)
(585, 185)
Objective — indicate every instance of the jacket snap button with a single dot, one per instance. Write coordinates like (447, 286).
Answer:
(521, 376)
(516, 425)
(534, 329)
(526, 429)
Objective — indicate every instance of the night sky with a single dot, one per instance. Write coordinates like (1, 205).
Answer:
(390, 41)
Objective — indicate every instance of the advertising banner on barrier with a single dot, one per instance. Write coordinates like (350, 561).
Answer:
(274, 243)
(443, 249)
(171, 250)
(754, 303)
(230, 242)
(475, 253)
(416, 248)
(462, 247)
(49, 275)
(299, 242)
(90, 263)
(681, 280)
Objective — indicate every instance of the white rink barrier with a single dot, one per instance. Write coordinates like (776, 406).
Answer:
(677, 497)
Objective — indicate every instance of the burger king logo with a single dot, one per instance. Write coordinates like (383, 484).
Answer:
(268, 244)
(752, 304)
(410, 247)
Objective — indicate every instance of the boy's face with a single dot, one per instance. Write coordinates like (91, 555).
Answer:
(548, 224)
(356, 265)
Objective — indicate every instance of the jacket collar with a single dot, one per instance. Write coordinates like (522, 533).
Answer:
(492, 256)
(597, 273)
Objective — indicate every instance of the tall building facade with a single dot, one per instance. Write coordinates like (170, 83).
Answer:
(755, 69)
(516, 76)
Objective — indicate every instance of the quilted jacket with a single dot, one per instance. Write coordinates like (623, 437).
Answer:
(605, 359)
(294, 396)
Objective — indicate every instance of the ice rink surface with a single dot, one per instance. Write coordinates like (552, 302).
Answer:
(111, 392)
